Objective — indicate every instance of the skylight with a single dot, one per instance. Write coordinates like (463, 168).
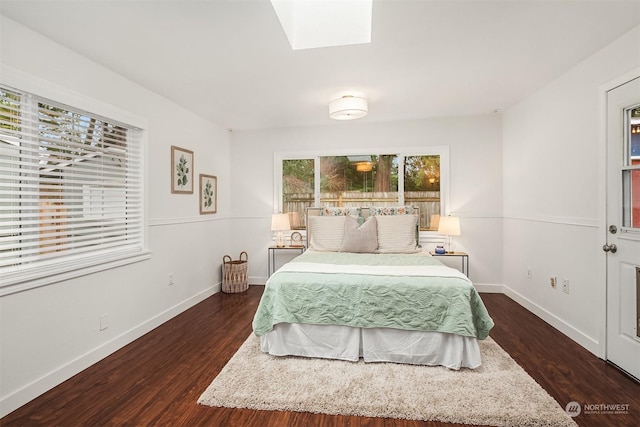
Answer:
(324, 23)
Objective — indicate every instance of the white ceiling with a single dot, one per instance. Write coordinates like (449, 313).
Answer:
(230, 61)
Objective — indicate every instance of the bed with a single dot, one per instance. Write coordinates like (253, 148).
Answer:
(365, 290)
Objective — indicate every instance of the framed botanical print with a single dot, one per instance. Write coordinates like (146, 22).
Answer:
(208, 194)
(181, 170)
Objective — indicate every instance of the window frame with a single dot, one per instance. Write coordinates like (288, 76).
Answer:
(56, 270)
(440, 150)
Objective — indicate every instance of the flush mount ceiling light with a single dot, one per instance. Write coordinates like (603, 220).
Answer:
(321, 23)
(348, 108)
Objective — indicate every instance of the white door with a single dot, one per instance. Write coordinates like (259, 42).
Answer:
(623, 220)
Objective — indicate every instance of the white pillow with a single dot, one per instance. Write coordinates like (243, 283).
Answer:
(397, 233)
(360, 238)
(327, 232)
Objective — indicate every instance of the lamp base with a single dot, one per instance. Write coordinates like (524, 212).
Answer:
(450, 248)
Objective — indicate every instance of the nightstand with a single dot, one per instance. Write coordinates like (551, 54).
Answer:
(464, 257)
(272, 255)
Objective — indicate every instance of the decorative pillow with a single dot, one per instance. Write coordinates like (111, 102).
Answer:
(331, 211)
(397, 233)
(360, 238)
(326, 232)
(399, 210)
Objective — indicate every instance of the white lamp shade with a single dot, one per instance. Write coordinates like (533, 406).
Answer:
(348, 108)
(280, 222)
(449, 226)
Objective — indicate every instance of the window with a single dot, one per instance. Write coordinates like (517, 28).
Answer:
(422, 188)
(359, 180)
(297, 189)
(631, 172)
(71, 189)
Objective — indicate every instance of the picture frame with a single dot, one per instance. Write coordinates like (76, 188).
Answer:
(181, 170)
(208, 194)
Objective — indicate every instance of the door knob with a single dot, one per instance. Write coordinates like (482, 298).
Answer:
(610, 248)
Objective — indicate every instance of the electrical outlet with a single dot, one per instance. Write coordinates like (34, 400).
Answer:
(104, 322)
(553, 280)
(529, 272)
(171, 279)
(565, 285)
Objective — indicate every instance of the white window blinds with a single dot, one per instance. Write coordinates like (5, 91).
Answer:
(71, 190)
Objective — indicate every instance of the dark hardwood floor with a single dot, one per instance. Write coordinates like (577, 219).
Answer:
(157, 379)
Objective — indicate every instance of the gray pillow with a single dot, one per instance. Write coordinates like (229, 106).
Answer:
(360, 238)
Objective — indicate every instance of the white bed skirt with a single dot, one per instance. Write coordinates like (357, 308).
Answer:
(372, 344)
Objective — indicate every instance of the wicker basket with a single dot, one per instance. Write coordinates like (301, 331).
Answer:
(234, 274)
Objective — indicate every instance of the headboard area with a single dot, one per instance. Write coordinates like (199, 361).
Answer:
(396, 228)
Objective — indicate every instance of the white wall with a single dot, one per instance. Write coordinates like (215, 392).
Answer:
(476, 179)
(553, 203)
(50, 333)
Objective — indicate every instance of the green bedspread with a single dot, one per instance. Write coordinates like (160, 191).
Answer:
(412, 302)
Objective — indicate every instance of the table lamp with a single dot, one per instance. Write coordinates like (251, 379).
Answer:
(449, 226)
(280, 223)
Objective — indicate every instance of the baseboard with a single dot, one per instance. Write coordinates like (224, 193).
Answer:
(45, 383)
(258, 280)
(489, 288)
(585, 341)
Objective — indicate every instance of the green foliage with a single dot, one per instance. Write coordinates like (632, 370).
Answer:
(182, 170)
(419, 170)
(208, 194)
(338, 173)
(297, 176)
(9, 102)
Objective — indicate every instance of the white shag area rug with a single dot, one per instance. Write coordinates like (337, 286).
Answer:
(498, 393)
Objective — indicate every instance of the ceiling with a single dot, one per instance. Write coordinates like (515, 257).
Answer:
(230, 61)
